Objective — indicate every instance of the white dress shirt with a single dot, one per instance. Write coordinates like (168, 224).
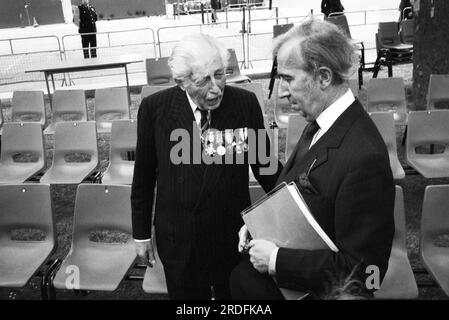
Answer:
(325, 120)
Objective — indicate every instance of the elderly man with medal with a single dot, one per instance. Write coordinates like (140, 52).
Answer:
(197, 201)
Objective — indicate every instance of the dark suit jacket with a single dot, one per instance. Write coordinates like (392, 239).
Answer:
(354, 204)
(197, 214)
(88, 17)
(329, 6)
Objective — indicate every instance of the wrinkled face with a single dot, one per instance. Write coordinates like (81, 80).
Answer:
(301, 88)
(206, 86)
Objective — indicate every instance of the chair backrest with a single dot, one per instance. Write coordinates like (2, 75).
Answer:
(149, 90)
(158, 71)
(233, 68)
(24, 138)
(387, 94)
(388, 33)
(296, 125)
(279, 29)
(26, 206)
(438, 92)
(28, 106)
(385, 124)
(435, 217)
(407, 31)
(427, 127)
(75, 137)
(101, 207)
(340, 21)
(123, 139)
(257, 89)
(111, 104)
(69, 105)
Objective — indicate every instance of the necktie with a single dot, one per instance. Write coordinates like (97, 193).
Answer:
(306, 139)
(205, 116)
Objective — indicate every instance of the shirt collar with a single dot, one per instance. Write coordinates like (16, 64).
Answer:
(327, 118)
(192, 104)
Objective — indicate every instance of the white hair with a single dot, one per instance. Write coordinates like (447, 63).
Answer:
(193, 54)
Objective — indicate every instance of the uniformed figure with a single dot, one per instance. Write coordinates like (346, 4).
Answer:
(88, 17)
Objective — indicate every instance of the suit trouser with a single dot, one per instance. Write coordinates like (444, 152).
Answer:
(249, 284)
(89, 40)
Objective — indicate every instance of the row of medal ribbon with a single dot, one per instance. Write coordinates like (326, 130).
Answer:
(226, 141)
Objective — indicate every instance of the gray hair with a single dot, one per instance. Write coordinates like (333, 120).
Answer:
(193, 54)
(321, 44)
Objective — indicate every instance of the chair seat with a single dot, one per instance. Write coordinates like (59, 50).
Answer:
(104, 126)
(101, 266)
(399, 281)
(238, 78)
(19, 172)
(430, 166)
(436, 261)
(19, 260)
(119, 174)
(73, 172)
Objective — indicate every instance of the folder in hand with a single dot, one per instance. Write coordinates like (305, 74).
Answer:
(283, 217)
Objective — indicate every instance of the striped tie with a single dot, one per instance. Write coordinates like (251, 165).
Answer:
(205, 119)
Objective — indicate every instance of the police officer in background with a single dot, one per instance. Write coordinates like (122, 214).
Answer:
(88, 17)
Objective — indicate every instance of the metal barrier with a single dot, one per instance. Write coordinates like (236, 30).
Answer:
(232, 31)
(113, 43)
(16, 57)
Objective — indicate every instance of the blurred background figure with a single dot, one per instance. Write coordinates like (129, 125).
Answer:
(331, 6)
(405, 10)
(88, 17)
(216, 5)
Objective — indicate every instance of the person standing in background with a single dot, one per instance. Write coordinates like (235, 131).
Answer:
(88, 17)
(331, 6)
(405, 10)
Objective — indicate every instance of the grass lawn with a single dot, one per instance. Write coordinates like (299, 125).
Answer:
(64, 199)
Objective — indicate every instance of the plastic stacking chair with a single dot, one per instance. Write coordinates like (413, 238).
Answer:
(158, 72)
(68, 105)
(342, 22)
(233, 74)
(255, 193)
(123, 144)
(256, 88)
(296, 125)
(438, 92)
(427, 128)
(399, 281)
(20, 142)
(434, 223)
(110, 104)
(387, 94)
(73, 139)
(101, 265)
(149, 90)
(28, 106)
(388, 36)
(25, 207)
(385, 124)
(407, 31)
(154, 280)
(279, 29)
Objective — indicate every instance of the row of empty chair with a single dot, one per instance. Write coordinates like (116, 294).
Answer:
(75, 155)
(96, 264)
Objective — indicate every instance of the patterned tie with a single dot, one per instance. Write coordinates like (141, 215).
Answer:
(306, 139)
(205, 119)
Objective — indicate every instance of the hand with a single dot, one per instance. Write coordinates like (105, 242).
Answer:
(145, 251)
(260, 253)
(244, 238)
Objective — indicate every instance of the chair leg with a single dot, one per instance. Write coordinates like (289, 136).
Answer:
(405, 135)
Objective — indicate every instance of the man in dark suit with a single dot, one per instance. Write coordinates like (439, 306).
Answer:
(198, 203)
(342, 169)
(88, 17)
(331, 6)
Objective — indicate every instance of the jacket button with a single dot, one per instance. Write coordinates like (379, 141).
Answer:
(180, 179)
